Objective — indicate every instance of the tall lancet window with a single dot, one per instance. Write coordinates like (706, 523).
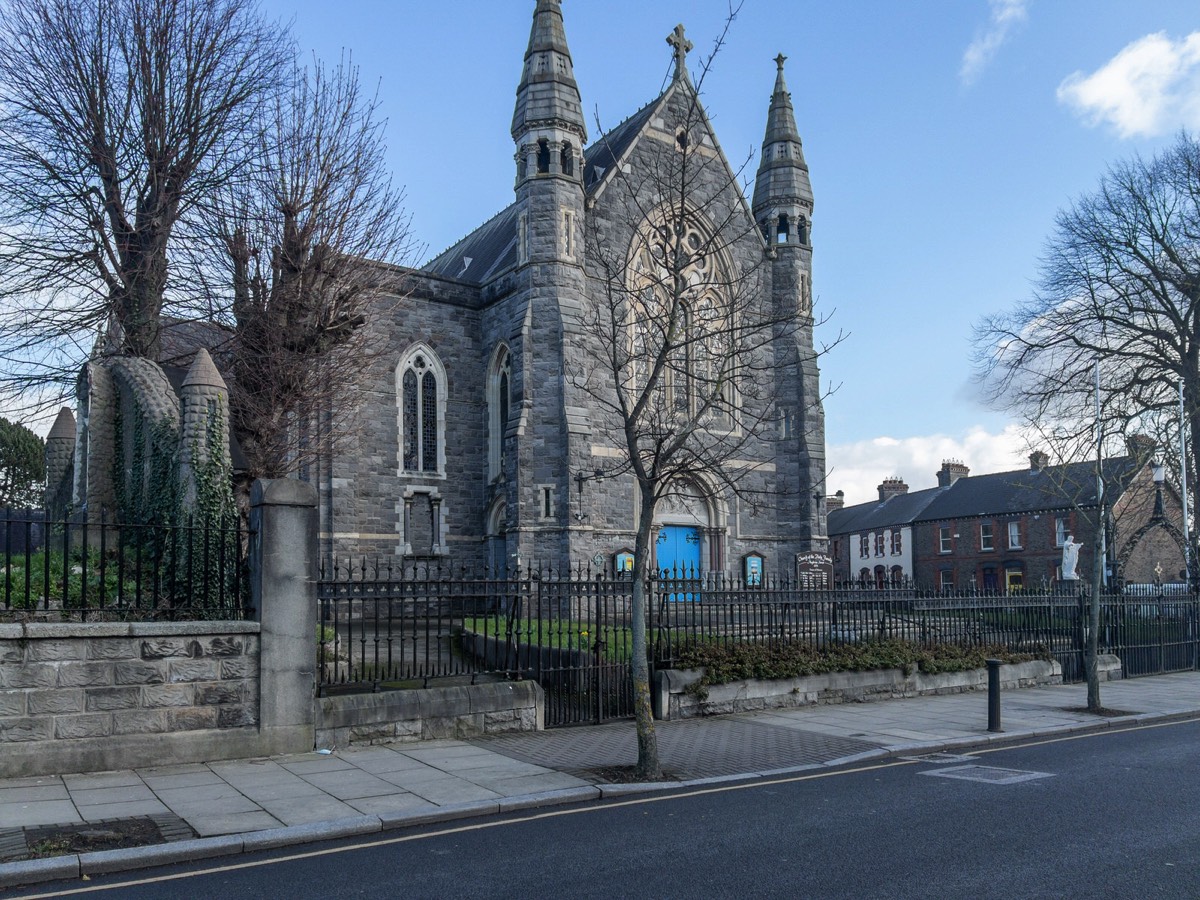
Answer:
(421, 383)
(499, 394)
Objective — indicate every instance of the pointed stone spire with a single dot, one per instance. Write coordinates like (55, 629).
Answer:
(548, 96)
(63, 428)
(203, 373)
(782, 179)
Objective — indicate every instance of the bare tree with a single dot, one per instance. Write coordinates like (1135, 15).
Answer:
(116, 117)
(1119, 286)
(308, 241)
(687, 343)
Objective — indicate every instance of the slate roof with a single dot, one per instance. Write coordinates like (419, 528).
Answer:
(997, 494)
(899, 509)
(492, 247)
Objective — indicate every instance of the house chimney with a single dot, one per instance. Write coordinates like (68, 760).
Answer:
(892, 487)
(835, 501)
(951, 471)
(1038, 460)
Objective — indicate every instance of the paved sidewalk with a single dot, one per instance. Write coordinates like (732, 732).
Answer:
(231, 807)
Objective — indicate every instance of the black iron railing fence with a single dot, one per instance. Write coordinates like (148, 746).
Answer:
(85, 570)
(382, 624)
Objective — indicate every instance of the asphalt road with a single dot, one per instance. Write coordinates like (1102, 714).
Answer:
(1106, 815)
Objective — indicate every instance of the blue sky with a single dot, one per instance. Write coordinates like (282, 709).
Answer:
(942, 136)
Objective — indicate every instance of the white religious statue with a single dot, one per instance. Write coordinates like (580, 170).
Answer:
(1070, 558)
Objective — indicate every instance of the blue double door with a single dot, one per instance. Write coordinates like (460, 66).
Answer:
(677, 550)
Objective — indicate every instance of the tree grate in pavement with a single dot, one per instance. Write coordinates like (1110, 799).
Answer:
(687, 750)
(106, 834)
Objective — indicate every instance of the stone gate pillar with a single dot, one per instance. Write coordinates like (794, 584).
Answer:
(283, 589)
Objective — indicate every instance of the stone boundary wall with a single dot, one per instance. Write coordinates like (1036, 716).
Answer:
(673, 701)
(78, 697)
(429, 714)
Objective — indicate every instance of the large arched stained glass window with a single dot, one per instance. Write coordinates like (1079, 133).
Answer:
(422, 411)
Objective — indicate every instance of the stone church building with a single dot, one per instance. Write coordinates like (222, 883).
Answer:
(480, 448)
(480, 444)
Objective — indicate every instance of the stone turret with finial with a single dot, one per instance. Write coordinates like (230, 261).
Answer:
(783, 198)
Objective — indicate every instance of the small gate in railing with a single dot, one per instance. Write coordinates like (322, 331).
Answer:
(384, 626)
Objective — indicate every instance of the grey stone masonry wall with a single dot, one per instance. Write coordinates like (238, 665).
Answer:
(429, 714)
(73, 692)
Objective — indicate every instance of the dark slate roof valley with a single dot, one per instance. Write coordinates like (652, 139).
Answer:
(997, 494)
(492, 247)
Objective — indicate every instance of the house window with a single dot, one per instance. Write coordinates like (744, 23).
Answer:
(1014, 535)
(985, 536)
(864, 545)
(546, 501)
(421, 386)
(864, 576)
(499, 406)
(1060, 531)
(946, 580)
(879, 544)
(897, 542)
(945, 544)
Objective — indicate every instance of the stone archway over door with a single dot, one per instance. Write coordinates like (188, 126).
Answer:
(687, 531)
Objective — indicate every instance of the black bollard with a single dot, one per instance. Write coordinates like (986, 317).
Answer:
(994, 695)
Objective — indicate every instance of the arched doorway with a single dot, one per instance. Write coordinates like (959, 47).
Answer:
(497, 539)
(689, 526)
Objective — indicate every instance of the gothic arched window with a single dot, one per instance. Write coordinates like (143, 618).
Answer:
(680, 314)
(421, 396)
(499, 396)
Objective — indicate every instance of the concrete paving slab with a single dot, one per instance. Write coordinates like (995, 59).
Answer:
(233, 823)
(383, 761)
(453, 790)
(304, 810)
(103, 811)
(530, 784)
(30, 781)
(44, 812)
(350, 784)
(278, 790)
(197, 793)
(181, 780)
(127, 778)
(391, 803)
(180, 769)
(34, 794)
(221, 806)
(314, 764)
(98, 796)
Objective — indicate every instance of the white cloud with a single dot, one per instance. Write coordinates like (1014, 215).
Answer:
(859, 467)
(1151, 87)
(1005, 16)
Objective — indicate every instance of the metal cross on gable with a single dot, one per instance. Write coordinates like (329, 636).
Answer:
(682, 45)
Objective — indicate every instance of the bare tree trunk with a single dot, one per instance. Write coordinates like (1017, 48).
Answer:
(648, 766)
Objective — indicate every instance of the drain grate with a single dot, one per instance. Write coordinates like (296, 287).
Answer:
(989, 774)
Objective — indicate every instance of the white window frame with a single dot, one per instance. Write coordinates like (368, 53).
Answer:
(945, 539)
(1014, 535)
(1060, 531)
(987, 539)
